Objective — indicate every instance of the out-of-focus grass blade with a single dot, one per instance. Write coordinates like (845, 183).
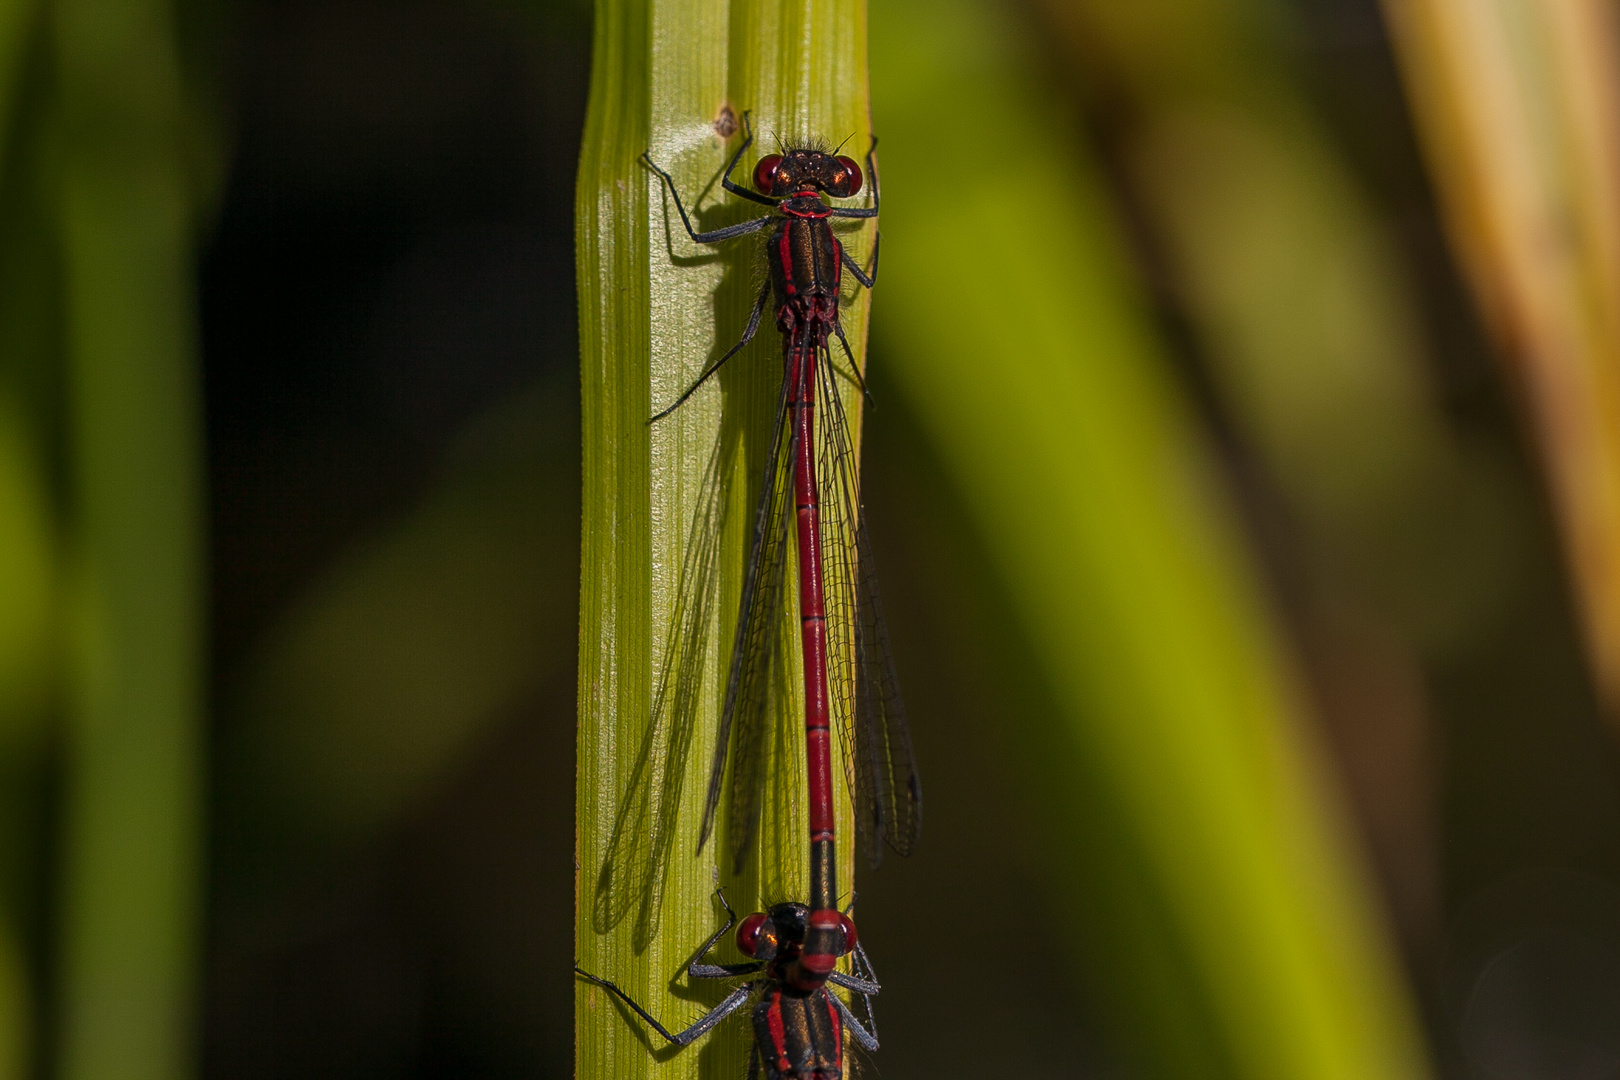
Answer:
(27, 573)
(1399, 539)
(1234, 936)
(654, 309)
(1302, 304)
(1516, 105)
(30, 560)
(28, 646)
(17, 19)
(130, 896)
(27, 664)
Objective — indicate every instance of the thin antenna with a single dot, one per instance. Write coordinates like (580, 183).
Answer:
(840, 146)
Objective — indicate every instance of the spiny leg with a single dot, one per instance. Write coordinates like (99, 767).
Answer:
(725, 181)
(730, 232)
(730, 1004)
(748, 335)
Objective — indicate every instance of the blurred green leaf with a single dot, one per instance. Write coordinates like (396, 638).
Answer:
(31, 533)
(27, 577)
(1234, 933)
(16, 1011)
(131, 891)
(17, 21)
(1304, 307)
(1392, 531)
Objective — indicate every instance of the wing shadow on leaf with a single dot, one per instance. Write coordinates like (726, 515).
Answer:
(635, 867)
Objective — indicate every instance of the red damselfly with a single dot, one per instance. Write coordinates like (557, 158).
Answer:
(848, 670)
(799, 1024)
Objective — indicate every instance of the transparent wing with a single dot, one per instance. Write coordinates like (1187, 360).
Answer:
(742, 728)
(861, 677)
(635, 866)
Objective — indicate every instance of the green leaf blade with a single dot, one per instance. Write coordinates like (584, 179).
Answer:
(655, 309)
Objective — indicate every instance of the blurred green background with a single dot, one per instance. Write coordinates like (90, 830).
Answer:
(289, 517)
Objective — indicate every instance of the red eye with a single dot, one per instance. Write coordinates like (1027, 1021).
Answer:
(765, 173)
(853, 172)
(849, 924)
(748, 935)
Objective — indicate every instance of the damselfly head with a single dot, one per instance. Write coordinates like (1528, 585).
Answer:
(807, 170)
(765, 935)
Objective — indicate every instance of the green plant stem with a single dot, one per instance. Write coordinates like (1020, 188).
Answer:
(131, 890)
(654, 309)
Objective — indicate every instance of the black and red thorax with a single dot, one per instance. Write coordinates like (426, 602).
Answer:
(806, 259)
(799, 1036)
(798, 1029)
(806, 262)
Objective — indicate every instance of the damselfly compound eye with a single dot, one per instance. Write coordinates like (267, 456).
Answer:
(849, 932)
(765, 173)
(756, 936)
(850, 182)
